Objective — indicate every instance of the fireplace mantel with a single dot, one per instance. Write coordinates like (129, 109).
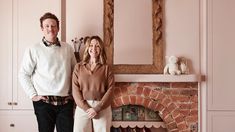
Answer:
(157, 78)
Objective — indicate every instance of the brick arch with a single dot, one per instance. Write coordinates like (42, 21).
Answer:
(154, 99)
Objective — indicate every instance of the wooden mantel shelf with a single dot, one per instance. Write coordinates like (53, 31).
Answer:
(140, 124)
(157, 78)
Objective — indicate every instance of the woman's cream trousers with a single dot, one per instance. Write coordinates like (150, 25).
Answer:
(101, 123)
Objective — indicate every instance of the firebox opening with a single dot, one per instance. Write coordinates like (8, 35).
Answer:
(131, 118)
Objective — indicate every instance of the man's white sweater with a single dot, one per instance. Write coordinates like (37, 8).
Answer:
(47, 70)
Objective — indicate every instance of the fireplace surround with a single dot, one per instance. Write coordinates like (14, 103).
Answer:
(174, 97)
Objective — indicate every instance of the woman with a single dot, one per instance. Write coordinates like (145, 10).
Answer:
(93, 83)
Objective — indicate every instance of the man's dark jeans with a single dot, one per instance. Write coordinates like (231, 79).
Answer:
(49, 116)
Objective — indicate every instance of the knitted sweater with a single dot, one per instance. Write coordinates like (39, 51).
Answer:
(96, 85)
(47, 70)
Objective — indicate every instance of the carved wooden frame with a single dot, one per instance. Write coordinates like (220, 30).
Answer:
(157, 28)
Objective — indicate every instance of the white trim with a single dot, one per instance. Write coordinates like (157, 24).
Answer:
(140, 124)
(202, 126)
(157, 78)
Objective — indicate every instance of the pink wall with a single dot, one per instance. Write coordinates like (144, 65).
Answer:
(181, 25)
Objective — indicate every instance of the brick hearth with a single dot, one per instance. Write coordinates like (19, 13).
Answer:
(177, 102)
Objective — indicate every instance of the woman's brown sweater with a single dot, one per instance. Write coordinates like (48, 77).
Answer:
(92, 85)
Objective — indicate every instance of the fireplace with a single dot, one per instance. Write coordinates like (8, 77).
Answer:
(176, 102)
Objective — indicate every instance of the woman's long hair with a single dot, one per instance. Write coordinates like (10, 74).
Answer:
(102, 56)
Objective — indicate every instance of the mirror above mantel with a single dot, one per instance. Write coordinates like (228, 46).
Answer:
(156, 66)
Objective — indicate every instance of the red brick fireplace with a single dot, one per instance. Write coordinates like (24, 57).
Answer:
(176, 102)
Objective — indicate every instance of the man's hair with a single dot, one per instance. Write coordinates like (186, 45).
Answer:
(49, 15)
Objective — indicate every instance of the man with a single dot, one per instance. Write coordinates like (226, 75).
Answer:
(45, 76)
